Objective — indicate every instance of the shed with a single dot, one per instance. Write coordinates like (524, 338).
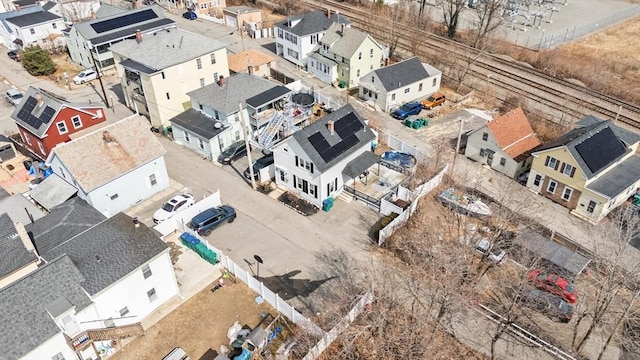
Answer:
(546, 249)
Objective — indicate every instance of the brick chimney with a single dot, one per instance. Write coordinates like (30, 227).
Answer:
(250, 69)
(93, 15)
(329, 14)
(106, 136)
(138, 36)
(330, 127)
(17, 7)
(39, 99)
(343, 26)
(222, 81)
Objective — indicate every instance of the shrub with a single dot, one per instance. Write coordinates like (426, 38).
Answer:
(37, 61)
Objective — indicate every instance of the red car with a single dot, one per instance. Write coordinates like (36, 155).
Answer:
(554, 284)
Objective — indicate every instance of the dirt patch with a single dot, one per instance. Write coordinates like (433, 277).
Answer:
(303, 207)
(198, 325)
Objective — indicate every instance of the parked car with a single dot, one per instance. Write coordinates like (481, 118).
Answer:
(190, 15)
(433, 101)
(494, 253)
(14, 96)
(554, 284)
(550, 305)
(171, 207)
(84, 76)
(233, 152)
(176, 354)
(210, 219)
(259, 164)
(14, 55)
(410, 108)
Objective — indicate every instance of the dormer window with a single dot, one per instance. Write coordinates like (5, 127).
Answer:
(77, 122)
(62, 127)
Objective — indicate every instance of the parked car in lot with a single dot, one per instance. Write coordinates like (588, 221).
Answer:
(233, 152)
(85, 76)
(190, 15)
(410, 108)
(212, 218)
(14, 55)
(554, 284)
(550, 305)
(14, 96)
(494, 253)
(433, 101)
(259, 164)
(171, 207)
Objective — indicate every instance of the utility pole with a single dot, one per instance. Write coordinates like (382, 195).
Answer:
(247, 146)
(98, 71)
(455, 155)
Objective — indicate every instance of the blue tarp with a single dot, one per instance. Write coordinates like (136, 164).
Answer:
(397, 158)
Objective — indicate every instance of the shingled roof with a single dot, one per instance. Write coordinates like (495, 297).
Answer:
(106, 154)
(310, 23)
(344, 43)
(404, 73)
(12, 249)
(513, 133)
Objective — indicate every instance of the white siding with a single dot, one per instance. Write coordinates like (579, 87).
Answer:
(78, 49)
(41, 31)
(475, 144)
(48, 349)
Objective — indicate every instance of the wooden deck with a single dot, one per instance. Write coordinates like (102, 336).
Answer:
(379, 182)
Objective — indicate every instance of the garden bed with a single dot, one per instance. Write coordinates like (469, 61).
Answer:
(297, 204)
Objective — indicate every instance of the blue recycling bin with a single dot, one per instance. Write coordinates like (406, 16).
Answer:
(327, 204)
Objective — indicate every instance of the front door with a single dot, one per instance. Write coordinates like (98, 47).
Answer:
(490, 158)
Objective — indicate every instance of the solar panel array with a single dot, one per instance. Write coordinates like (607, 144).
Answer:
(600, 150)
(123, 21)
(346, 127)
(25, 113)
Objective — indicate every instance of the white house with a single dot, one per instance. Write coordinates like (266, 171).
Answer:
(504, 143)
(85, 285)
(391, 86)
(298, 35)
(114, 167)
(94, 38)
(6, 30)
(213, 122)
(36, 28)
(312, 161)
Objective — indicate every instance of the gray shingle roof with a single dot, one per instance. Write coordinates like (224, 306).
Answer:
(360, 164)
(302, 137)
(237, 89)
(404, 73)
(63, 223)
(167, 48)
(109, 251)
(129, 32)
(627, 136)
(105, 10)
(25, 321)
(344, 44)
(310, 23)
(19, 208)
(130, 145)
(52, 191)
(9, 14)
(198, 123)
(617, 179)
(35, 18)
(14, 254)
(49, 5)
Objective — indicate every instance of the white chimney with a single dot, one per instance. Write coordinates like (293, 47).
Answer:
(330, 127)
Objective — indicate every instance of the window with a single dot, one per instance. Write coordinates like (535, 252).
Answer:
(201, 144)
(485, 136)
(503, 161)
(292, 53)
(360, 55)
(203, 6)
(199, 63)
(146, 271)
(151, 294)
(307, 165)
(566, 194)
(551, 188)
(370, 67)
(26, 138)
(393, 97)
(186, 137)
(537, 180)
(280, 33)
(313, 191)
(54, 25)
(41, 147)
(77, 123)
(358, 73)
(153, 180)
(568, 169)
(216, 77)
(314, 38)
(591, 206)
(420, 87)
(406, 91)
(62, 127)
(552, 162)
(201, 82)
(124, 311)
(114, 196)
(213, 59)
(283, 175)
(32, 31)
(435, 82)
(483, 153)
(237, 135)
(58, 356)
(371, 53)
(168, 97)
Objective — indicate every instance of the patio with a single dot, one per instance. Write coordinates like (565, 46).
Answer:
(376, 182)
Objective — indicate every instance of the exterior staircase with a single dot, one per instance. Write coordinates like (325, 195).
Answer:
(267, 135)
(86, 338)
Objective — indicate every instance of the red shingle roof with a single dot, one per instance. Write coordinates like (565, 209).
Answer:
(513, 133)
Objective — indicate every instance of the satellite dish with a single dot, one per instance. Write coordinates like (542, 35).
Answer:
(217, 125)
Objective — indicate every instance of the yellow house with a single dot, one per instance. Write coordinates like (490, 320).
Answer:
(157, 70)
(590, 170)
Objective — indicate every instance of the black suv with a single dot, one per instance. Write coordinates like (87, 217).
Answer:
(257, 165)
(210, 219)
(237, 150)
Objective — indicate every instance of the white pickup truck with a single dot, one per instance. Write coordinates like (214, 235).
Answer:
(14, 96)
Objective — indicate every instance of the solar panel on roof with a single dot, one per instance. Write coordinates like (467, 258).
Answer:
(123, 21)
(47, 114)
(600, 150)
(30, 104)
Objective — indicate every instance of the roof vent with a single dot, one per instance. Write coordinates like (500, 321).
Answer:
(98, 259)
(136, 222)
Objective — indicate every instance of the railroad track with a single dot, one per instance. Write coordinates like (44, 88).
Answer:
(561, 100)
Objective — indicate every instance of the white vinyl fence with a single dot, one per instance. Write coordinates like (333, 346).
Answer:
(181, 218)
(415, 196)
(399, 145)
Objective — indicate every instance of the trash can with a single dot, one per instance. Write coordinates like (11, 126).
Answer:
(425, 122)
(327, 204)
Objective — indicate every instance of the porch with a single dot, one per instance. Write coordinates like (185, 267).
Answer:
(372, 178)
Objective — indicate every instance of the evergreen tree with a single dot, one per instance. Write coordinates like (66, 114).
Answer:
(37, 61)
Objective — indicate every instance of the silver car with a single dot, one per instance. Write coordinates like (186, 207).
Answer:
(14, 96)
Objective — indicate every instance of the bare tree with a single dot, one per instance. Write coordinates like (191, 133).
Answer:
(488, 19)
(451, 10)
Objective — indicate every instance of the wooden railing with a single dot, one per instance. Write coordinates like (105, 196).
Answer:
(118, 332)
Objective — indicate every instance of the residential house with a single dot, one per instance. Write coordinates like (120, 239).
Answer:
(114, 167)
(504, 143)
(238, 16)
(253, 62)
(91, 40)
(158, 70)
(76, 10)
(214, 121)
(20, 209)
(8, 35)
(590, 170)
(298, 35)
(86, 285)
(209, 7)
(18, 255)
(311, 162)
(45, 120)
(391, 86)
(344, 54)
(51, 192)
(32, 26)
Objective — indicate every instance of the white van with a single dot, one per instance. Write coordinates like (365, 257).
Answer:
(176, 354)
